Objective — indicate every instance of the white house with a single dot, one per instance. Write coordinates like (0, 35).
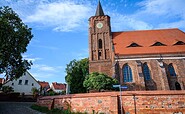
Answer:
(58, 87)
(24, 84)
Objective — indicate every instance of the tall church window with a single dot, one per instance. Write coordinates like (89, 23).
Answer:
(100, 44)
(146, 72)
(127, 73)
(171, 70)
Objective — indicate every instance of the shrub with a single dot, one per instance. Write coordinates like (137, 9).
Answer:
(7, 89)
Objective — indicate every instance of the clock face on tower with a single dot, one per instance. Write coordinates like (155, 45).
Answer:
(99, 25)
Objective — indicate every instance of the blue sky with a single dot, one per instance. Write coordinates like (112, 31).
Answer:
(60, 27)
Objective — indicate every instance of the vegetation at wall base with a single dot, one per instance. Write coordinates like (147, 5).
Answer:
(53, 111)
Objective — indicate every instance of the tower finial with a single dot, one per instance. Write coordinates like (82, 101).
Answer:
(99, 10)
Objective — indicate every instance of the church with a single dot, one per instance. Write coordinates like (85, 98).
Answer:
(140, 60)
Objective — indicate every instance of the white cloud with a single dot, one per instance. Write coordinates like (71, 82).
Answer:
(162, 13)
(29, 58)
(63, 16)
(121, 22)
(84, 53)
(178, 24)
(46, 47)
(42, 67)
(164, 7)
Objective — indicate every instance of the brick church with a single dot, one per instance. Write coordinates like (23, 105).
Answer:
(142, 60)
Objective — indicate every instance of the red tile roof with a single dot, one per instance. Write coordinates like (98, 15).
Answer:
(146, 38)
(59, 86)
(44, 84)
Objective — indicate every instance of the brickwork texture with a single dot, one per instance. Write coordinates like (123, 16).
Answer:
(132, 102)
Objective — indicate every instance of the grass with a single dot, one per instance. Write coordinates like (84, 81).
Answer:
(53, 111)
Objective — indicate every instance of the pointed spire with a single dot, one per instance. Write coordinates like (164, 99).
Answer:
(99, 10)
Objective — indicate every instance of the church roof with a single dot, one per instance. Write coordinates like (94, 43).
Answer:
(99, 10)
(163, 41)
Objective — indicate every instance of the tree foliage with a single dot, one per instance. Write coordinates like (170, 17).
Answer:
(14, 38)
(76, 73)
(98, 81)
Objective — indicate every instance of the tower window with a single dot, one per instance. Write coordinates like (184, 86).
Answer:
(171, 70)
(127, 73)
(100, 44)
(146, 72)
(99, 55)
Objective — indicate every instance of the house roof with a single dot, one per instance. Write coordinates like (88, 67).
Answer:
(21, 76)
(161, 41)
(44, 84)
(59, 86)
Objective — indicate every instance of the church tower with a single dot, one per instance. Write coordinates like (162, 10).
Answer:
(100, 43)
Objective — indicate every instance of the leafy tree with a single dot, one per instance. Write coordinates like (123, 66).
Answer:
(98, 81)
(14, 38)
(76, 73)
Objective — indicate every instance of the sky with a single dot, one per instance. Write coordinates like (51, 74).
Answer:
(60, 27)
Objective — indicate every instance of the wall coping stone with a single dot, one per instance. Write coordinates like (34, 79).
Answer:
(113, 94)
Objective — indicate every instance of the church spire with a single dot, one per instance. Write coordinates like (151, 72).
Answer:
(99, 10)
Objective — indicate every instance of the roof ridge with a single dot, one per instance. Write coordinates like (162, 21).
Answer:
(149, 30)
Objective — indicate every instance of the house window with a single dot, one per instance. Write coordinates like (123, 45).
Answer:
(20, 82)
(100, 44)
(26, 82)
(12, 84)
(171, 70)
(127, 73)
(146, 72)
(32, 84)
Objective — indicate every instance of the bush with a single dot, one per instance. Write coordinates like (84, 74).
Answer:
(53, 111)
(7, 89)
(99, 81)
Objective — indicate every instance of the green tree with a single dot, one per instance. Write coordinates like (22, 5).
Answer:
(76, 73)
(98, 81)
(14, 38)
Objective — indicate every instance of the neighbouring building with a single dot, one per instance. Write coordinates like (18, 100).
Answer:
(24, 84)
(1, 82)
(142, 60)
(44, 87)
(58, 87)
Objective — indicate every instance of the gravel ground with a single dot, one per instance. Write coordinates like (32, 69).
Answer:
(17, 108)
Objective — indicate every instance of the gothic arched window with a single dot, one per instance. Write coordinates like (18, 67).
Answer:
(171, 70)
(146, 72)
(100, 44)
(127, 73)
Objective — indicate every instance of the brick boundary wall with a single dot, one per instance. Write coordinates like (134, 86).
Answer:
(133, 102)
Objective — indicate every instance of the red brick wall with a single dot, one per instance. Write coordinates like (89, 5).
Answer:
(145, 102)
